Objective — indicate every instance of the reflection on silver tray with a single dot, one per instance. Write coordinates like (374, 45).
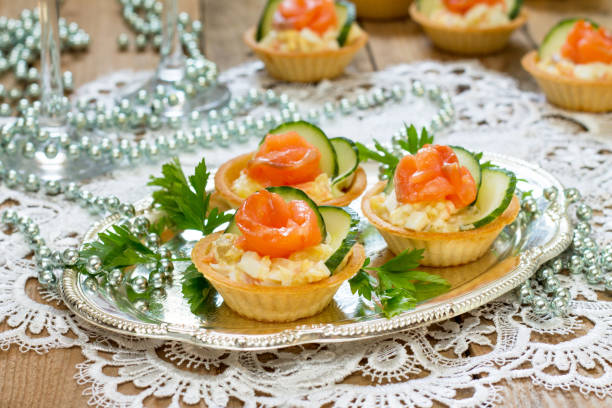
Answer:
(514, 257)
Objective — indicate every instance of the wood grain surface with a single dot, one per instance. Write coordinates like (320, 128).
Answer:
(47, 380)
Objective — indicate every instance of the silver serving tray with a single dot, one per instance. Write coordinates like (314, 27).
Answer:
(516, 254)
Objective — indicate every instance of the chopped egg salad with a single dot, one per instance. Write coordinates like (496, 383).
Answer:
(302, 267)
(439, 216)
(319, 189)
(481, 15)
(306, 40)
(561, 66)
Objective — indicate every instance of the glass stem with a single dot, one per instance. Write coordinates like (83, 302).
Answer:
(52, 91)
(172, 64)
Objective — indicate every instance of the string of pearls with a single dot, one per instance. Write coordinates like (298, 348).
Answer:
(143, 18)
(20, 50)
(544, 292)
(223, 127)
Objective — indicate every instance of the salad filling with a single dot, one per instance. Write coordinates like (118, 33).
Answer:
(279, 243)
(306, 26)
(433, 192)
(226, 257)
(585, 54)
(285, 159)
(472, 13)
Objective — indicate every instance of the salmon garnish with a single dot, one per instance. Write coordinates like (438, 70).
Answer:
(586, 44)
(316, 15)
(276, 228)
(285, 160)
(463, 6)
(434, 174)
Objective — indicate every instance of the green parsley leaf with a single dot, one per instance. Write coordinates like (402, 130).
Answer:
(404, 261)
(197, 290)
(424, 291)
(381, 154)
(363, 283)
(399, 286)
(413, 141)
(396, 300)
(186, 202)
(118, 248)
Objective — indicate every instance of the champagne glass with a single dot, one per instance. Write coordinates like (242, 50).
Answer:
(188, 91)
(46, 147)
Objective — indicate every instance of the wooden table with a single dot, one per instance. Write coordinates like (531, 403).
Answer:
(32, 380)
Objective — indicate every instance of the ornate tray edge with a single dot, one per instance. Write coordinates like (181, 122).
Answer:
(530, 260)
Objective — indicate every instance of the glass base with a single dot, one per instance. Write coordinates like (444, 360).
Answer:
(210, 98)
(59, 167)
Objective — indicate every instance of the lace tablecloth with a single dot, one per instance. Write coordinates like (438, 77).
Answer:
(413, 368)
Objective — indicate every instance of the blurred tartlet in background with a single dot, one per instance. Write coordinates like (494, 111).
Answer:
(573, 66)
(306, 41)
(474, 27)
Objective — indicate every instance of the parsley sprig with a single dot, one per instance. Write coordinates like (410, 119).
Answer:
(197, 290)
(185, 200)
(411, 144)
(186, 205)
(118, 248)
(398, 285)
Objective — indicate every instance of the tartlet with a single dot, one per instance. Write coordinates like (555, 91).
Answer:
(588, 95)
(444, 200)
(441, 249)
(230, 171)
(305, 66)
(276, 303)
(467, 40)
(337, 160)
(313, 22)
(282, 257)
(565, 91)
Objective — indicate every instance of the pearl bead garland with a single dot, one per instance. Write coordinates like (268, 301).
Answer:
(582, 258)
(20, 49)
(218, 127)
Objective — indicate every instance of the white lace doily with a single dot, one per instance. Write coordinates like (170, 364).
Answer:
(413, 368)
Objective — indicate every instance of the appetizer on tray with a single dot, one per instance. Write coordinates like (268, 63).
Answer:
(306, 40)
(470, 27)
(573, 66)
(295, 154)
(282, 257)
(441, 199)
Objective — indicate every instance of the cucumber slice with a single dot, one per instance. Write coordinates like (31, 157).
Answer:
(267, 18)
(494, 196)
(316, 137)
(288, 194)
(232, 228)
(555, 38)
(513, 8)
(348, 161)
(428, 7)
(344, 10)
(346, 17)
(340, 224)
(467, 159)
